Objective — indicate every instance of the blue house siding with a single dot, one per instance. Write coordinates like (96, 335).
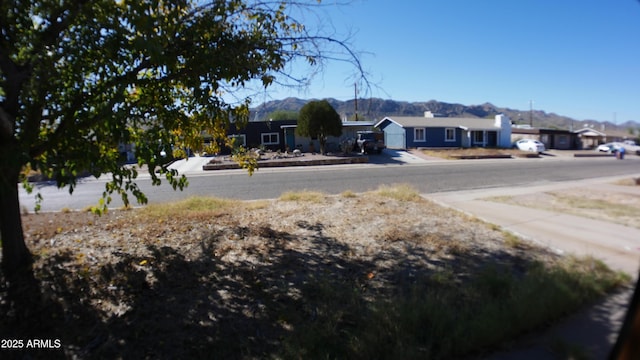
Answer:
(433, 137)
(411, 139)
(398, 137)
(414, 132)
(457, 141)
(436, 137)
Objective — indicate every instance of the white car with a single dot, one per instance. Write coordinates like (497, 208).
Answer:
(530, 145)
(609, 148)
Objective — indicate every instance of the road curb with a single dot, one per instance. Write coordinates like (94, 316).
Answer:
(290, 162)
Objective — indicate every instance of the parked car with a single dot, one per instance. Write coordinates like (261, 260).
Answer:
(370, 142)
(530, 145)
(611, 148)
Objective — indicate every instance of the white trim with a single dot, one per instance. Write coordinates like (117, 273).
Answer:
(243, 137)
(270, 140)
(446, 138)
(589, 129)
(357, 123)
(481, 132)
(424, 134)
(390, 120)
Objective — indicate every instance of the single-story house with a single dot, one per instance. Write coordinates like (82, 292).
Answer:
(268, 134)
(590, 138)
(404, 132)
(281, 135)
(551, 138)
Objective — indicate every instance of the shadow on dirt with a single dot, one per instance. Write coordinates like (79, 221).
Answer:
(166, 306)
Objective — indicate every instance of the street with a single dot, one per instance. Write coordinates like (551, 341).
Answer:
(427, 177)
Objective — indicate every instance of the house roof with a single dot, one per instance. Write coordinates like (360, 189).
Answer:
(357, 123)
(516, 130)
(344, 124)
(590, 132)
(421, 121)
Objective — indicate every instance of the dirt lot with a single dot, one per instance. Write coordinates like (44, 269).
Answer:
(235, 272)
(477, 152)
(233, 278)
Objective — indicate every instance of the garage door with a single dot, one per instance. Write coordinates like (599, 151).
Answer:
(395, 141)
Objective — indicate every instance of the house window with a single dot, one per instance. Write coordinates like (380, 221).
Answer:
(478, 137)
(419, 135)
(449, 134)
(270, 139)
(562, 140)
(239, 140)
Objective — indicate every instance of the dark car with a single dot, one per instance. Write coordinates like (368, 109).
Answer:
(370, 142)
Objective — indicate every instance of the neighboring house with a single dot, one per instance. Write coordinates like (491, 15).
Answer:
(281, 135)
(403, 132)
(590, 138)
(620, 136)
(551, 138)
(349, 132)
(270, 135)
(276, 135)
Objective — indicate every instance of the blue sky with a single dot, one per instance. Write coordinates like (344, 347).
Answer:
(577, 58)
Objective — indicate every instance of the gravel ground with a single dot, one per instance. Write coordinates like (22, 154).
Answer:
(196, 278)
(151, 284)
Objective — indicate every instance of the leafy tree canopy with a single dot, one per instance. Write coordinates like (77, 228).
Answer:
(319, 119)
(80, 77)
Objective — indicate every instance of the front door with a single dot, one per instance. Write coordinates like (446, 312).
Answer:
(290, 139)
(492, 138)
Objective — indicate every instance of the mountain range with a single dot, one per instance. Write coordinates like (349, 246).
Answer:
(374, 109)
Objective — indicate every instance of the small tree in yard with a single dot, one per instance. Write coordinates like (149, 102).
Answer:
(79, 77)
(319, 119)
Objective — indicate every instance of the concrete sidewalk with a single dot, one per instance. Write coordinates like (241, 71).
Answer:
(595, 329)
(190, 165)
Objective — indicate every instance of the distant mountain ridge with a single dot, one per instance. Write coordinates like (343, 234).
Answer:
(375, 109)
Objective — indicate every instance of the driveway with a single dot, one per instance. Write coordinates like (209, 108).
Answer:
(399, 157)
(190, 165)
(595, 329)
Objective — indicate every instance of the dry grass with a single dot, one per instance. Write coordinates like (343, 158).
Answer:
(305, 275)
(628, 182)
(400, 192)
(512, 241)
(194, 205)
(621, 207)
(455, 153)
(348, 194)
(308, 196)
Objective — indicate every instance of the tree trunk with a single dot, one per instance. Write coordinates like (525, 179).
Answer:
(16, 257)
(627, 345)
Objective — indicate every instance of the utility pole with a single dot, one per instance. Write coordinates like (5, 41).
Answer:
(531, 113)
(355, 85)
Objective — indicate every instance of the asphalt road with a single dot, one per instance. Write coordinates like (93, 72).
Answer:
(428, 177)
